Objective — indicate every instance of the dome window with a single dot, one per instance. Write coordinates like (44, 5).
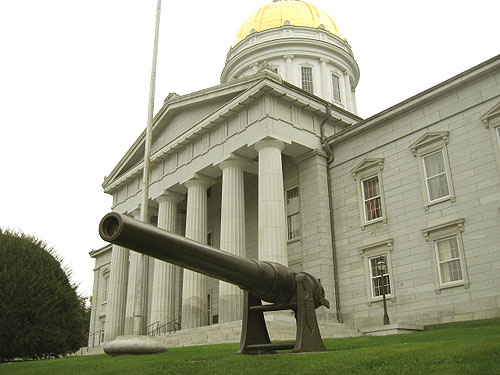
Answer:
(307, 78)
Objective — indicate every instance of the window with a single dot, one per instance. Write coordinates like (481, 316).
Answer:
(209, 308)
(492, 121)
(379, 281)
(447, 252)
(368, 175)
(336, 88)
(307, 79)
(435, 176)
(105, 287)
(371, 199)
(448, 259)
(293, 213)
(375, 281)
(434, 167)
(210, 239)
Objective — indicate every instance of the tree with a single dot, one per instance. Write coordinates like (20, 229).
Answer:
(42, 314)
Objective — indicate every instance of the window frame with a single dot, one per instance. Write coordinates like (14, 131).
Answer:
(427, 178)
(363, 171)
(105, 286)
(441, 232)
(336, 78)
(299, 236)
(302, 67)
(491, 120)
(427, 145)
(376, 250)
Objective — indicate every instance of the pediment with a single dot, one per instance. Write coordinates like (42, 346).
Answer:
(367, 165)
(186, 119)
(430, 139)
(492, 117)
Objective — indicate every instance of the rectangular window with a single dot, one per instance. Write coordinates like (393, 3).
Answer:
(448, 259)
(435, 176)
(209, 239)
(379, 281)
(293, 213)
(209, 308)
(336, 88)
(307, 79)
(371, 198)
(105, 289)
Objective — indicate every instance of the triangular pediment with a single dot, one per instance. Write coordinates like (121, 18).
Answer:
(428, 139)
(185, 119)
(366, 165)
(492, 117)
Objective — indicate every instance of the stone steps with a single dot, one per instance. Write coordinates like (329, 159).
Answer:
(279, 327)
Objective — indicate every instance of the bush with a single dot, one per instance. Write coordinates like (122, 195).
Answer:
(41, 313)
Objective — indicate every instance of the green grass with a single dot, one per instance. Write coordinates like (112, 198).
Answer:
(457, 348)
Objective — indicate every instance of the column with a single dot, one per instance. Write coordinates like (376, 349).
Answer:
(117, 293)
(232, 235)
(194, 291)
(288, 68)
(93, 308)
(348, 92)
(324, 79)
(132, 278)
(315, 216)
(163, 297)
(271, 205)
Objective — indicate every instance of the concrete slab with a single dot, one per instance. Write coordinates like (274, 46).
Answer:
(392, 329)
(134, 345)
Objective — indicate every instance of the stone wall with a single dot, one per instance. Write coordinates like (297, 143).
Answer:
(476, 182)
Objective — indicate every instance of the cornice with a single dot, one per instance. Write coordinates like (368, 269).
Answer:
(420, 99)
(267, 84)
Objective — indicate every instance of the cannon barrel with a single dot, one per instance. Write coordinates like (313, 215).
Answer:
(269, 281)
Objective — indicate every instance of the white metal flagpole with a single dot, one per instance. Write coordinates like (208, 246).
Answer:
(139, 285)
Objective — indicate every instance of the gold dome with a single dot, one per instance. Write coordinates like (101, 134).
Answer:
(287, 12)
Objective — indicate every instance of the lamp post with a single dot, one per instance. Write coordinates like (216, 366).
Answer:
(381, 268)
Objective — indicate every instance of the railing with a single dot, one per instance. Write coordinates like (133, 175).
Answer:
(100, 338)
(155, 328)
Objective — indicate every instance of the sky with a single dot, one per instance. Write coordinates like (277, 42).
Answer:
(75, 75)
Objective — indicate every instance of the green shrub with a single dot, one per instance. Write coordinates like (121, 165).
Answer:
(41, 313)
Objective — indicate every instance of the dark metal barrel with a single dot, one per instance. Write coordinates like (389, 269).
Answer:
(271, 282)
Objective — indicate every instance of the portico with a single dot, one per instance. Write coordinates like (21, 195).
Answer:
(226, 178)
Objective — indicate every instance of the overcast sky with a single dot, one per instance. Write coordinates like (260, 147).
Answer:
(74, 85)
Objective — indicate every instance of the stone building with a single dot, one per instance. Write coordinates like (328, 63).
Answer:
(274, 164)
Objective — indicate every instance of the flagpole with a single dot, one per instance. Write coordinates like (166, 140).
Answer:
(139, 285)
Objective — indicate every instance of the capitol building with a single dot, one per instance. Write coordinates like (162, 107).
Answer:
(275, 164)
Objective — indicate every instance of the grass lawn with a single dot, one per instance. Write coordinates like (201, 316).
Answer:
(456, 348)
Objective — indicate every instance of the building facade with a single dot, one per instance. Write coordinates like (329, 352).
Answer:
(274, 164)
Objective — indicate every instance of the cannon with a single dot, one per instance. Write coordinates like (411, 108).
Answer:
(270, 282)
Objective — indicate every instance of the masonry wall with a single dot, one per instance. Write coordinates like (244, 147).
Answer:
(99, 303)
(476, 181)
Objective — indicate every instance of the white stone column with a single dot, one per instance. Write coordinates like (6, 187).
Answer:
(117, 293)
(163, 297)
(288, 68)
(348, 92)
(324, 79)
(232, 235)
(132, 277)
(271, 216)
(93, 308)
(194, 291)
